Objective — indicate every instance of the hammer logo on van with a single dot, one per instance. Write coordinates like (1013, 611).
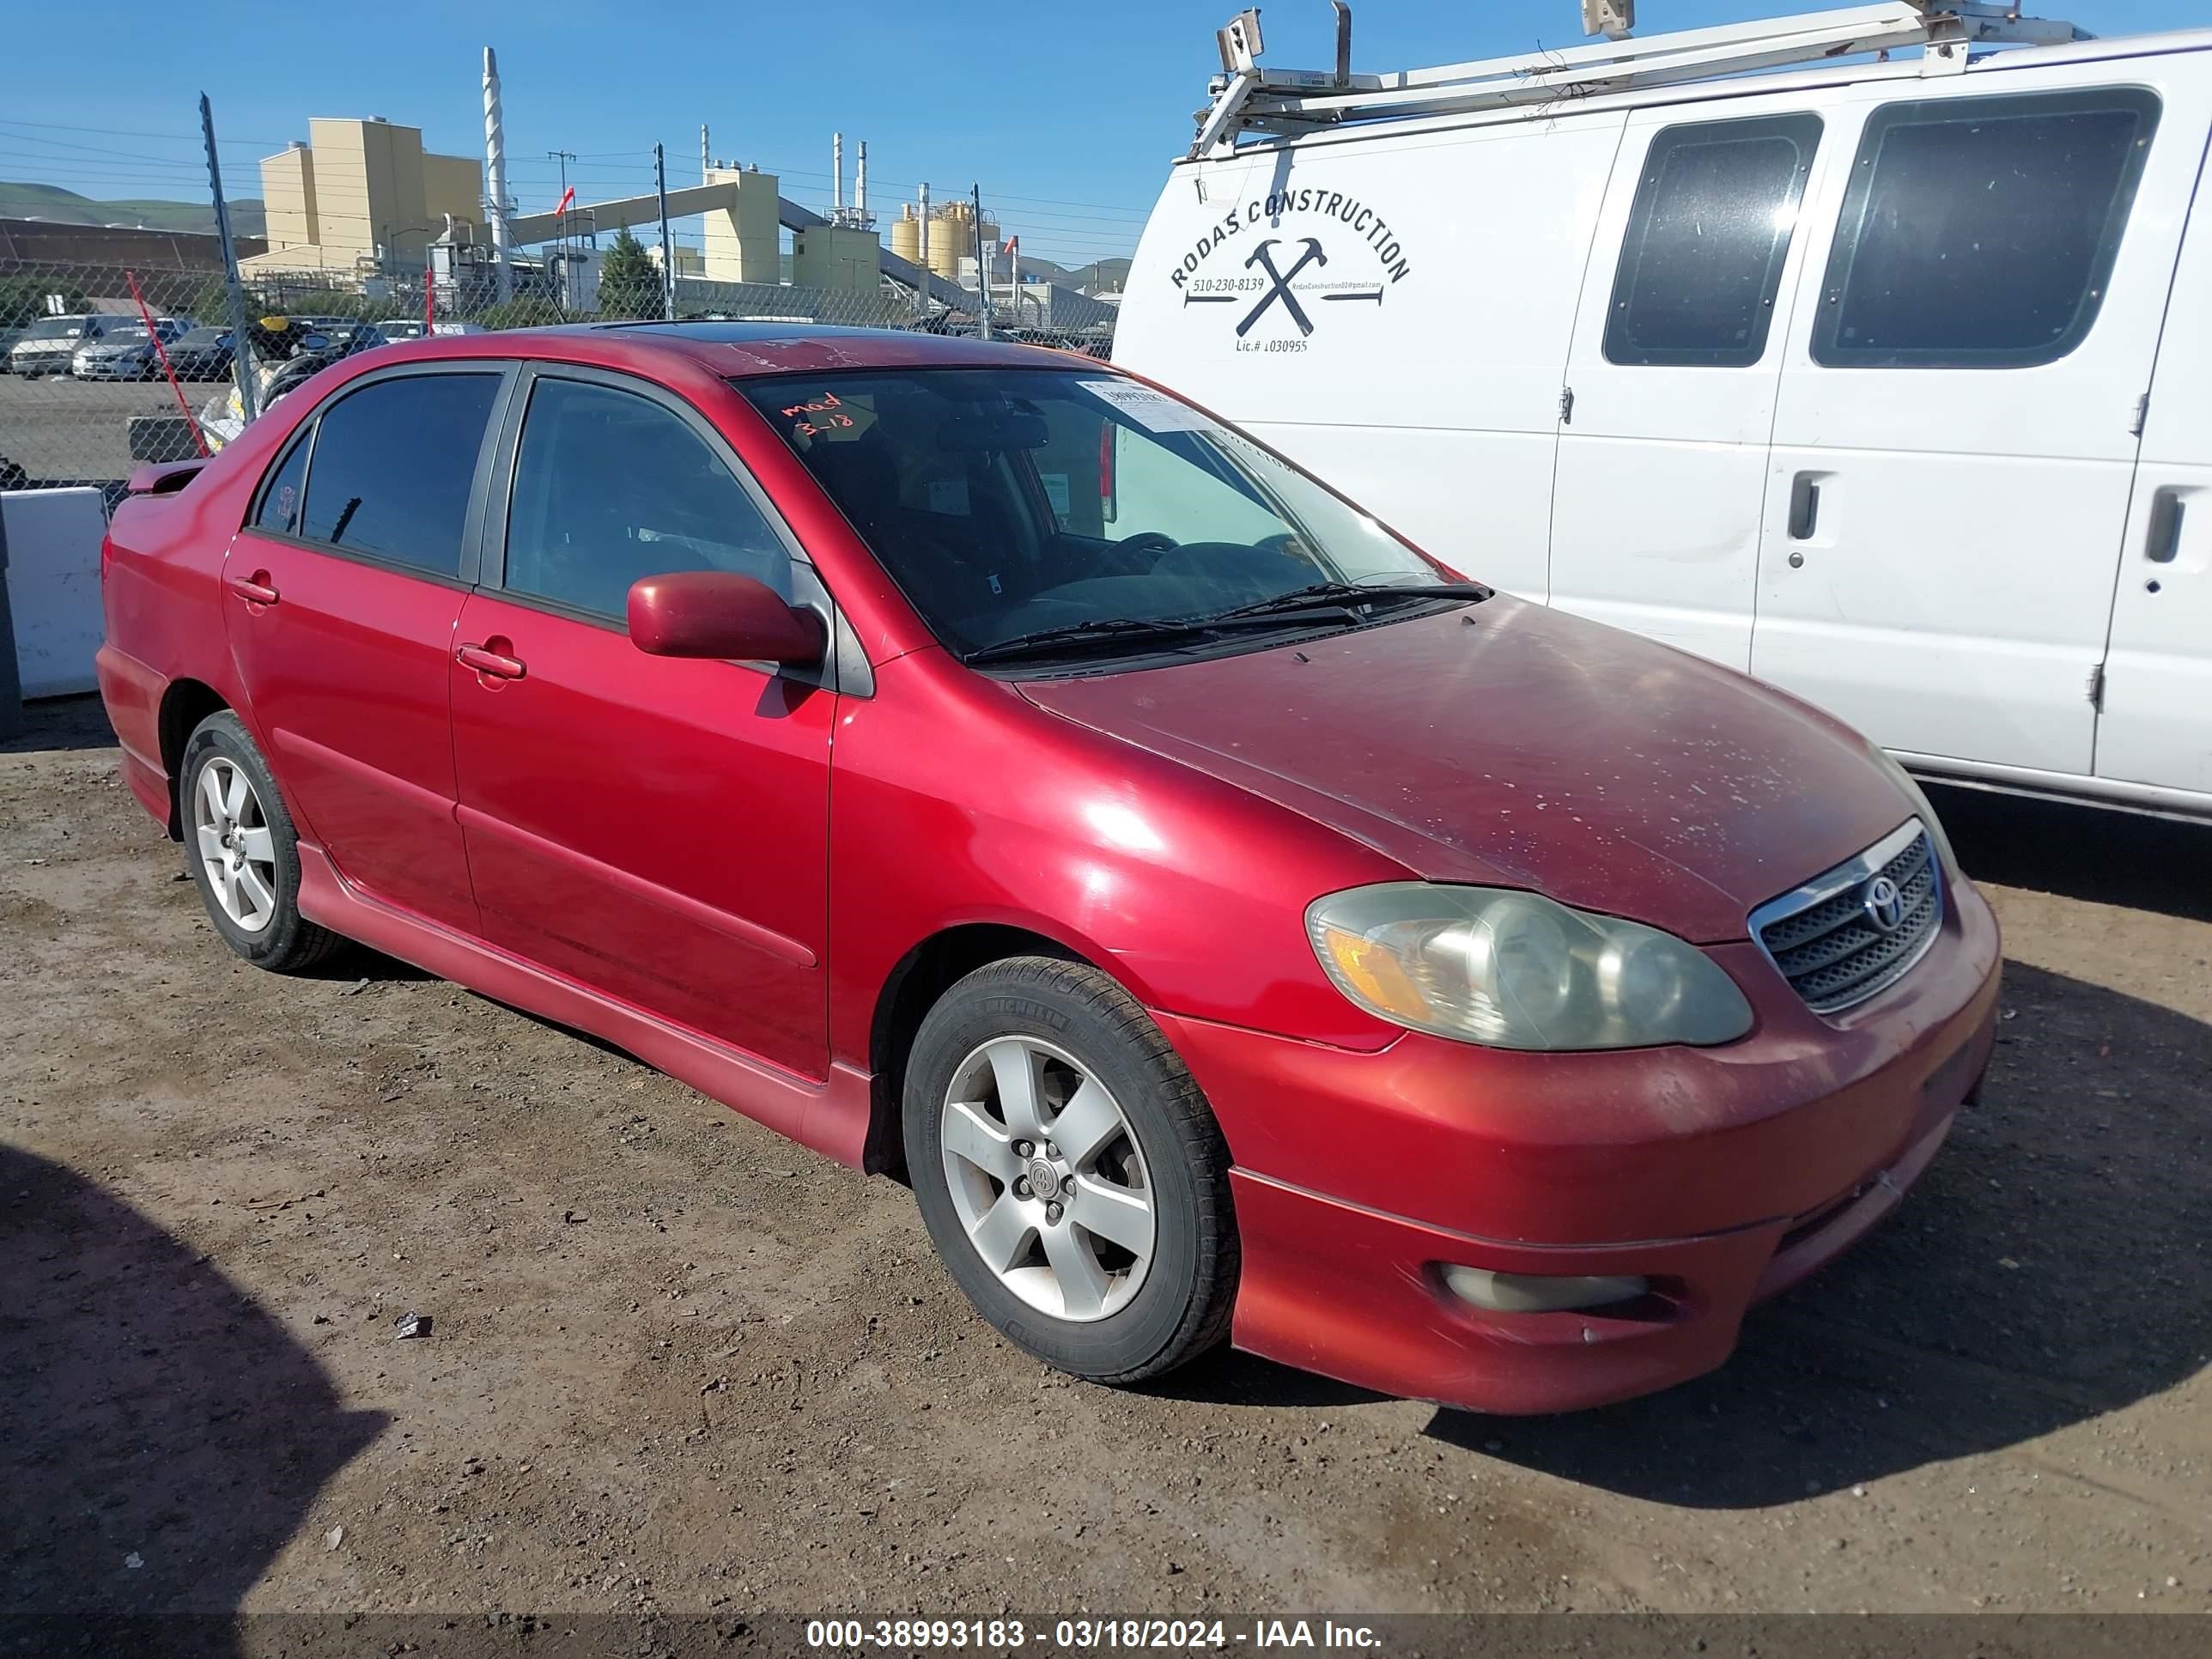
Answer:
(1271, 281)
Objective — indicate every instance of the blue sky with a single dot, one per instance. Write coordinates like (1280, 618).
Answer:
(1067, 116)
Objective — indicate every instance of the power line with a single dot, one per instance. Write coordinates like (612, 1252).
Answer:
(134, 132)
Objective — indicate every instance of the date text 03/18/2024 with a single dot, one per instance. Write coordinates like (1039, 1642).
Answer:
(1086, 1635)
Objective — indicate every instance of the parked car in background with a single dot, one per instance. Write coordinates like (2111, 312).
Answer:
(396, 329)
(48, 343)
(348, 338)
(1234, 921)
(204, 353)
(124, 353)
(8, 339)
(1882, 381)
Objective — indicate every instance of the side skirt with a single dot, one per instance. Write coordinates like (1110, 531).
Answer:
(831, 1117)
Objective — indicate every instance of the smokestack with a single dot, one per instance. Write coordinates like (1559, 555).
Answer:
(705, 166)
(496, 175)
(921, 248)
(860, 185)
(837, 172)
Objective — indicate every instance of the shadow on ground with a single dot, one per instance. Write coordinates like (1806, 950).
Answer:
(59, 723)
(2081, 852)
(165, 1436)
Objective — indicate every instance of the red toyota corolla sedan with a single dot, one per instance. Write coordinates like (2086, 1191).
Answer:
(973, 762)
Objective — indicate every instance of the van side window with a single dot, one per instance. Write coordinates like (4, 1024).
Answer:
(1702, 259)
(1981, 232)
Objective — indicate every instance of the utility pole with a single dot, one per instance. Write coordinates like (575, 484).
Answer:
(667, 249)
(242, 346)
(982, 265)
(561, 226)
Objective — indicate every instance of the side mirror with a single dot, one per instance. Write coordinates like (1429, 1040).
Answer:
(714, 613)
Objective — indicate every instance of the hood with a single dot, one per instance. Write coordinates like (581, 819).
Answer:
(1508, 744)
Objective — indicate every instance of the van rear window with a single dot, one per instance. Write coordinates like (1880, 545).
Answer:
(1980, 233)
(1702, 258)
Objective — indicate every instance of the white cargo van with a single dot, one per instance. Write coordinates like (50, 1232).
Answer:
(1888, 382)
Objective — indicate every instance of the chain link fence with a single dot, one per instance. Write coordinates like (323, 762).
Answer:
(87, 392)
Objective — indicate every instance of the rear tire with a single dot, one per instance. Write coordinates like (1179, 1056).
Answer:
(1055, 1056)
(242, 851)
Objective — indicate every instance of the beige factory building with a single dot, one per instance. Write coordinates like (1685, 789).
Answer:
(356, 188)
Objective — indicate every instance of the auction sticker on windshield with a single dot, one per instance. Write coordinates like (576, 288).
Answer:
(1153, 410)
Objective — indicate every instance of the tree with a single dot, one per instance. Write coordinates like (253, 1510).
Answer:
(23, 298)
(629, 282)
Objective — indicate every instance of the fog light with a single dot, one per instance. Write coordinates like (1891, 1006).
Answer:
(1540, 1292)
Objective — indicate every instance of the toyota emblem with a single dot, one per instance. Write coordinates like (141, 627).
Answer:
(1884, 901)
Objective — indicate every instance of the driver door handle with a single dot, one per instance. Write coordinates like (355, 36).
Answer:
(491, 663)
(254, 589)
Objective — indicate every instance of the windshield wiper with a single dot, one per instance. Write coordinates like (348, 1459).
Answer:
(1320, 596)
(1337, 596)
(1100, 630)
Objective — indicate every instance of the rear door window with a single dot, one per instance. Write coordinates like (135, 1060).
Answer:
(280, 496)
(1701, 261)
(394, 465)
(1980, 233)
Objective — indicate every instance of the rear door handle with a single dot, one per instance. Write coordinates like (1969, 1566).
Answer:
(2164, 541)
(254, 589)
(489, 662)
(1804, 507)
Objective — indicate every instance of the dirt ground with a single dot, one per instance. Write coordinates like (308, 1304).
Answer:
(678, 1364)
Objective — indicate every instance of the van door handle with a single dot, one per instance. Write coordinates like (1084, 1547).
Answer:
(1804, 507)
(2164, 541)
(254, 589)
(492, 662)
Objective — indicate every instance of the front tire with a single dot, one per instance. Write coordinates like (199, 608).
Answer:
(1071, 1176)
(242, 851)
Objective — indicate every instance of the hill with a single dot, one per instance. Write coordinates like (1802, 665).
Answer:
(65, 207)
(1110, 273)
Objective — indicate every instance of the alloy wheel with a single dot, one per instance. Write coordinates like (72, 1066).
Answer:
(236, 847)
(1048, 1179)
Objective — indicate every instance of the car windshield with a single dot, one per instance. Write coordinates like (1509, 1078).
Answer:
(200, 336)
(57, 328)
(1014, 503)
(125, 335)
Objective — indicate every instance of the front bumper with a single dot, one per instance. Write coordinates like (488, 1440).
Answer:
(1722, 1175)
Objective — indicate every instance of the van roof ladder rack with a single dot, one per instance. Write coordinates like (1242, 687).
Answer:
(1249, 99)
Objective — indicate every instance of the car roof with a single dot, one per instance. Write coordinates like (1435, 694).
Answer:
(734, 350)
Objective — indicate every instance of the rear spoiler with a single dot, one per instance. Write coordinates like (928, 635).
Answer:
(165, 479)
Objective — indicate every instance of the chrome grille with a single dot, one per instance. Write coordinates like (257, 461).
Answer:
(1824, 936)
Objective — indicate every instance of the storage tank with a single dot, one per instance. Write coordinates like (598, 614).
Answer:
(953, 238)
(906, 235)
(948, 234)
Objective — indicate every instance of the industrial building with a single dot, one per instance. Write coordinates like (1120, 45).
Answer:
(952, 231)
(355, 196)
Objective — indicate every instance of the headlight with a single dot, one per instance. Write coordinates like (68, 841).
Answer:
(1910, 787)
(1514, 970)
